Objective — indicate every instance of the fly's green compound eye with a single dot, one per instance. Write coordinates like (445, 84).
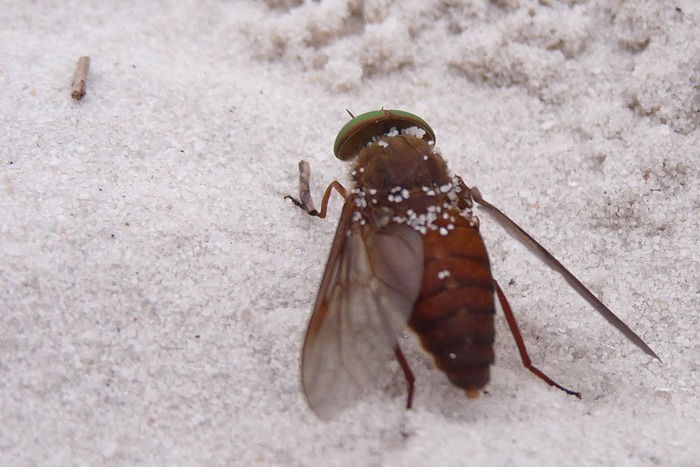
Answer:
(362, 129)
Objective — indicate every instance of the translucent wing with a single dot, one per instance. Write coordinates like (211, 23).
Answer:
(547, 258)
(371, 282)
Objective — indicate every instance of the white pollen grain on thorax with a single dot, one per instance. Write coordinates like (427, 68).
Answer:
(414, 131)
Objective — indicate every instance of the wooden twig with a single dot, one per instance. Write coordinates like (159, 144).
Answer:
(77, 87)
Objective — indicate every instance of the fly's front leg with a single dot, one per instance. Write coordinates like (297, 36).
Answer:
(305, 201)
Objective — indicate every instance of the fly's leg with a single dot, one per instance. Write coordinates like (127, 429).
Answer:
(305, 201)
(410, 379)
(521, 344)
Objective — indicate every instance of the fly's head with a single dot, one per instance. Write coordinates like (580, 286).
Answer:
(365, 128)
(391, 148)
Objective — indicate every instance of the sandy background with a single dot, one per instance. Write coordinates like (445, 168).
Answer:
(155, 287)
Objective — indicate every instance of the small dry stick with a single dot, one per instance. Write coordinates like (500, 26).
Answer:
(304, 202)
(77, 87)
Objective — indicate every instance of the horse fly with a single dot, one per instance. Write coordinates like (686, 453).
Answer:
(408, 251)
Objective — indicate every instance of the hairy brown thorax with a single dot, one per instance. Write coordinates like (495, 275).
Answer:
(403, 160)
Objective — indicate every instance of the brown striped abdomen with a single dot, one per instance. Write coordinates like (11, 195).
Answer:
(454, 314)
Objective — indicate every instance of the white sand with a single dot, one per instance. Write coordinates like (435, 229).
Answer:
(155, 287)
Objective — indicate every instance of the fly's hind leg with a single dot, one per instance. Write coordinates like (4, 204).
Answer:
(408, 374)
(521, 344)
(305, 201)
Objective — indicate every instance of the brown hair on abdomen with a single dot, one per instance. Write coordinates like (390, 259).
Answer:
(454, 314)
